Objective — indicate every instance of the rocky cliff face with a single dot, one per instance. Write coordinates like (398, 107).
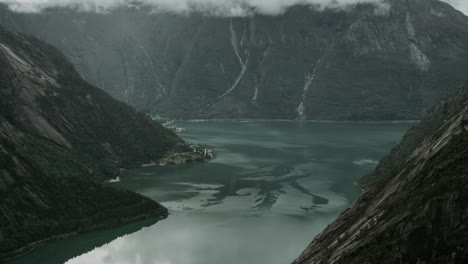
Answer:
(418, 212)
(358, 64)
(415, 137)
(60, 138)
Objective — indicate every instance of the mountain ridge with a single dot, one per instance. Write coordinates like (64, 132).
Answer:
(60, 139)
(304, 64)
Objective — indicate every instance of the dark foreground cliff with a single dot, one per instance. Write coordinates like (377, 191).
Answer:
(60, 139)
(425, 129)
(417, 212)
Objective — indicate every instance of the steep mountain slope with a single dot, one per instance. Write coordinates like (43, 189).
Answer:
(60, 138)
(358, 64)
(414, 137)
(418, 213)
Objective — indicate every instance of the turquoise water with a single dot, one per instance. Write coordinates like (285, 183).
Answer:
(272, 187)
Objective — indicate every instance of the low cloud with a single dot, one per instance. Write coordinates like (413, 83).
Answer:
(216, 7)
(461, 5)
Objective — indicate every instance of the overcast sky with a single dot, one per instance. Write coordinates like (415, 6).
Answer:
(221, 7)
(461, 5)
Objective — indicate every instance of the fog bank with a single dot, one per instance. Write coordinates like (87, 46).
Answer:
(215, 7)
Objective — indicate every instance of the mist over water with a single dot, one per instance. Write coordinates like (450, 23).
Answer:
(271, 189)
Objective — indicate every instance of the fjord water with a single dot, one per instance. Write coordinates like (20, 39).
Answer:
(271, 188)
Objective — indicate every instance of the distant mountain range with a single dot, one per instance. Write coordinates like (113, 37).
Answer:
(361, 63)
(60, 139)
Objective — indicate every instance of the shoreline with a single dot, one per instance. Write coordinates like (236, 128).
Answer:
(183, 154)
(25, 250)
(157, 215)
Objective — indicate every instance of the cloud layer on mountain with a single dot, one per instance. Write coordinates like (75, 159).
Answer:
(216, 7)
(461, 5)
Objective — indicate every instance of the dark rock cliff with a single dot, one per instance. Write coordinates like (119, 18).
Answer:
(414, 137)
(418, 212)
(361, 63)
(60, 139)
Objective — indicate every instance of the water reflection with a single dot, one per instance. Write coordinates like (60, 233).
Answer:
(61, 251)
(213, 238)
